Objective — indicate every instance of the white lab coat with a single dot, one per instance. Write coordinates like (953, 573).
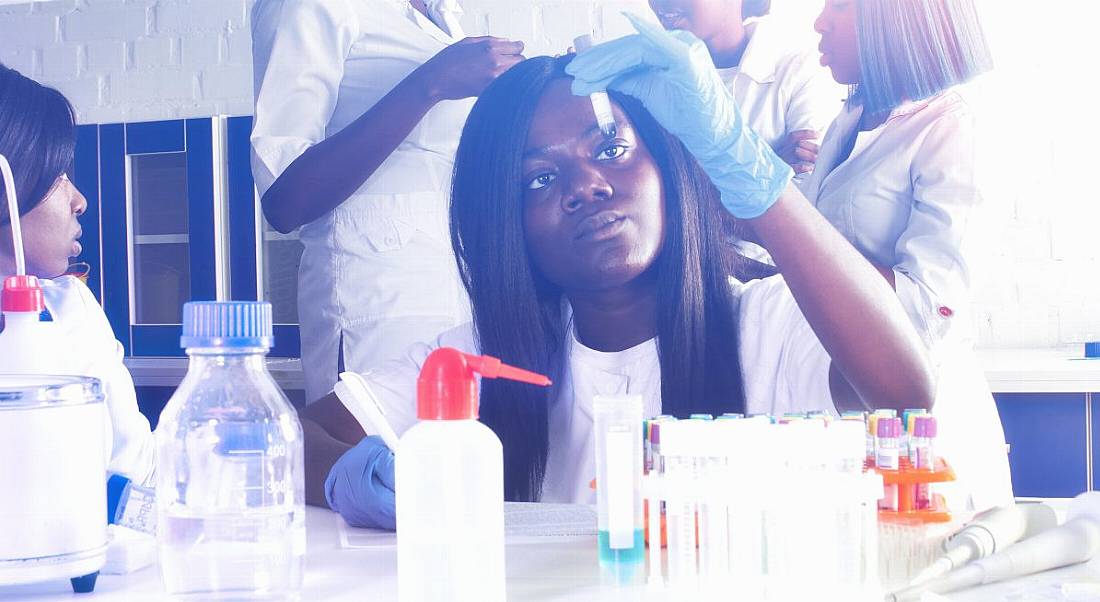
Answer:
(905, 197)
(779, 89)
(95, 352)
(377, 272)
(784, 368)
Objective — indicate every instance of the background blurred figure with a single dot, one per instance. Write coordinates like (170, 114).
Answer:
(896, 175)
(359, 107)
(773, 72)
(782, 91)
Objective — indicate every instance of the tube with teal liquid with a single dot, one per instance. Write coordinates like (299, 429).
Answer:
(618, 422)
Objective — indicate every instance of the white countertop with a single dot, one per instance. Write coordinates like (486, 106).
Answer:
(1060, 370)
(564, 570)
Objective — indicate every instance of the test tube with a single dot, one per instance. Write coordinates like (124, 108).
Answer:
(677, 451)
(601, 104)
(923, 435)
(847, 446)
(886, 456)
(618, 422)
(750, 471)
(655, 505)
(713, 518)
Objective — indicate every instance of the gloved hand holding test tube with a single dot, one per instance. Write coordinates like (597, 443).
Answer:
(601, 104)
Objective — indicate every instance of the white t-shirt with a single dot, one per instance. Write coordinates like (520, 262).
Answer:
(784, 369)
(96, 353)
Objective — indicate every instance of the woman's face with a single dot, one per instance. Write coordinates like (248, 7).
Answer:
(839, 40)
(704, 18)
(50, 231)
(593, 206)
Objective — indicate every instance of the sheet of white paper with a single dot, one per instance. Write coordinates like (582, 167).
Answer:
(523, 523)
(536, 523)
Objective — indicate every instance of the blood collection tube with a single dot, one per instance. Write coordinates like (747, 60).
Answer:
(924, 434)
(886, 456)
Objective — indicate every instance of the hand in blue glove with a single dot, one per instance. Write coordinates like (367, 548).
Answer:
(360, 485)
(672, 74)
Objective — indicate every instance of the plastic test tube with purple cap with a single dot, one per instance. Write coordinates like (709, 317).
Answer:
(886, 456)
(924, 434)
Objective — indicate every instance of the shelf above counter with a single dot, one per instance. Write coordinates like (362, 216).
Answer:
(169, 371)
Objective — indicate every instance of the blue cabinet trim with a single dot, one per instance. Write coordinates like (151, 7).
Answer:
(200, 209)
(86, 179)
(112, 182)
(242, 210)
(154, 137)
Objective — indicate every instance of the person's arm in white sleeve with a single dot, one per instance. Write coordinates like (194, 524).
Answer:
(876, 357)
(301, 174)
(931, 275)
(133, 451)
(813, 100)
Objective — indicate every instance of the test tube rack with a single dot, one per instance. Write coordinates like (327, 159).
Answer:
(908, 478)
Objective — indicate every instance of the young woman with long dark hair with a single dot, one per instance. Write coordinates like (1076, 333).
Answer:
(600, 262)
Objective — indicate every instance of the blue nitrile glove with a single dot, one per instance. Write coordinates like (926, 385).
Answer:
(672, 74)
(360, 485)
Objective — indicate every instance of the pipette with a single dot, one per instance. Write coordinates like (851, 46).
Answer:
(1074, 542)
(991, 531)
(355, 393)
(601, 104)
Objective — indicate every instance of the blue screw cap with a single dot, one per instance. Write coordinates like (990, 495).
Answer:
(234, 324)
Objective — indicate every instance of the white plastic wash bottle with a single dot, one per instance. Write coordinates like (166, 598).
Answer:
(450, 486)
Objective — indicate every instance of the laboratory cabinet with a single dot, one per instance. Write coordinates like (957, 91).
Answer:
(173, 217)
(1050, 438)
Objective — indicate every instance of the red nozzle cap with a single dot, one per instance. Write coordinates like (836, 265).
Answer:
(447, 390)
(22, 293)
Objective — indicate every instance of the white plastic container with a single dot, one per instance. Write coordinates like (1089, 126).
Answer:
(27, 344)
(450, 487)
(53, 511)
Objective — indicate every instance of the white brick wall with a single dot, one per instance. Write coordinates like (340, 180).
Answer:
(1036, 276)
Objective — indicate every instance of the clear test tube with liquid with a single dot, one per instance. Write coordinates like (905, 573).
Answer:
(618, 421)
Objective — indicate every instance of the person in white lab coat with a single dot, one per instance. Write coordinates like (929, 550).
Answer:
(781, 89)
(896, 175)
(783, 92)
(38, 136)
(359, 107)
(598, 262)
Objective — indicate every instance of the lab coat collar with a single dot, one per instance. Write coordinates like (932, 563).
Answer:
(761, 58)
(443, 18)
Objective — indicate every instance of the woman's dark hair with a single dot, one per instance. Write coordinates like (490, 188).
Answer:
(518, 314)
(755, 8)
(37, 135)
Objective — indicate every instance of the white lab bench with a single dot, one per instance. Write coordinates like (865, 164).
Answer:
(564, 570)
